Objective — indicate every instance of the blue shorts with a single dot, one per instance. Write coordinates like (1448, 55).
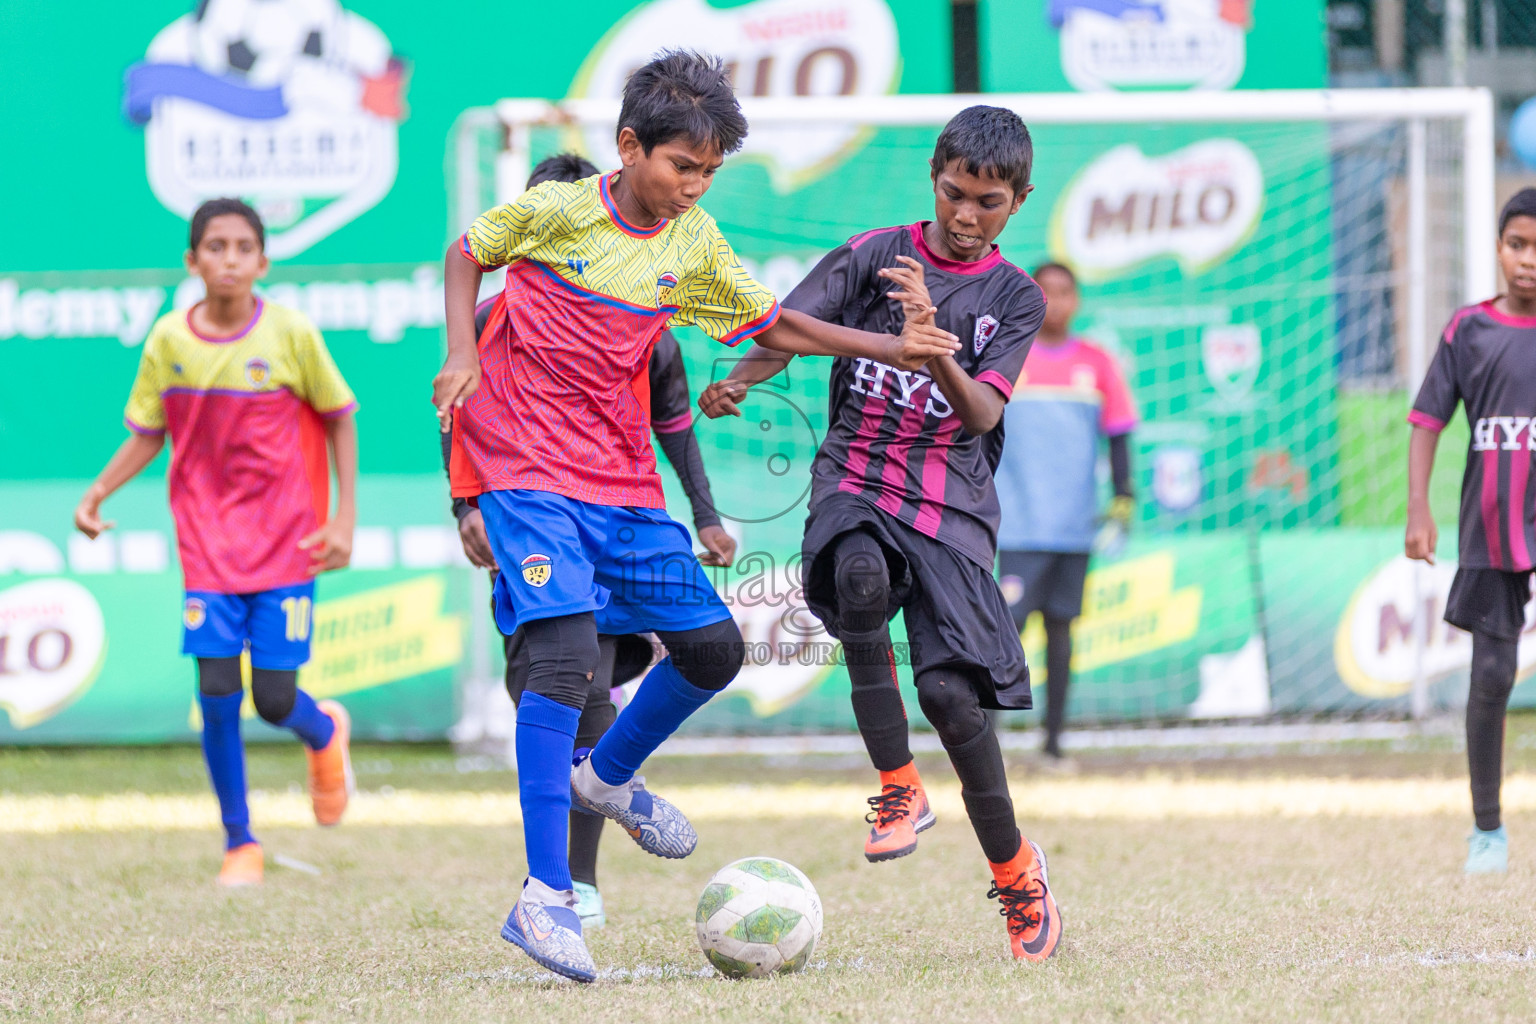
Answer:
(633, 567)
(275, 623)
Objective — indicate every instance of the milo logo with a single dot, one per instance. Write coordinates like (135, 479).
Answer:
(773, 48)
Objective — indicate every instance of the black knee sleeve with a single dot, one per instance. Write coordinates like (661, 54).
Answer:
(218, 677)
(562, 657)
(1494, 664)
(599, 713)
(273, 691)
(708, 657)
(863, 584)
(949, 702)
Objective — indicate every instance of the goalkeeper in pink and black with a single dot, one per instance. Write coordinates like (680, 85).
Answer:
(1486, 360)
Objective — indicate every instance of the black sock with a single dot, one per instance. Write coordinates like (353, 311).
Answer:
(1058, 670)
(1494, 663)
(863, 597)
(948, 698)
(586, 830)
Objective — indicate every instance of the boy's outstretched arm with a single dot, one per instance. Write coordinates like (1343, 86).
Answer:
(722, 398)
(138, 451)
(801, 334)
(332, 543)
(460, 375)
(1422, 535)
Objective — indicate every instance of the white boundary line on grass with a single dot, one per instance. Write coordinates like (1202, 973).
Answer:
(1176, 736)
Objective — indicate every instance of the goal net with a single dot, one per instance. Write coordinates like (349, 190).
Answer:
(1270, 268)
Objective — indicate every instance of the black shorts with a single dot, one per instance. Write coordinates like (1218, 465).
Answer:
(954, 613)
(1049, 582)
(1489, 601)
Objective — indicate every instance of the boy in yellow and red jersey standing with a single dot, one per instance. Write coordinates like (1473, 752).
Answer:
(251, 400)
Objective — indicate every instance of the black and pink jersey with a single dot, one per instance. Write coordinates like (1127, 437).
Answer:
(1487, 360)
(892, 437)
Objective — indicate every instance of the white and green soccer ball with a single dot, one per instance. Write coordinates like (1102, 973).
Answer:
(759, 916)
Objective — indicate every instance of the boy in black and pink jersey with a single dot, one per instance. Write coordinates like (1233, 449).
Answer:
(903, 511)
(1487, 360)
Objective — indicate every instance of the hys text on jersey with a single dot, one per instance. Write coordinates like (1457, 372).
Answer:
(904, 388)
(1510, 433)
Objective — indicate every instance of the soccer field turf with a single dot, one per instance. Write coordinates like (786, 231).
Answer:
(1248, 888)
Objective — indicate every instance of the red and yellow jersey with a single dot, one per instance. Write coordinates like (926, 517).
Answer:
(586, 295)
(248, 476)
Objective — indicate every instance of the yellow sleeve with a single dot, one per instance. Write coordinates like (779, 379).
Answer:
(145, 413)
(501, 235)
(318, 382)
(721, 298)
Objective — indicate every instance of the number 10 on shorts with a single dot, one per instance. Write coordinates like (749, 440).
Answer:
(297, 613)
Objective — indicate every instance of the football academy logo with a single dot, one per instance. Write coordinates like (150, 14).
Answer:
(664, 285)
(986, 330)
(537, 569)
(195, 613)
(294, 105)
(257, 372)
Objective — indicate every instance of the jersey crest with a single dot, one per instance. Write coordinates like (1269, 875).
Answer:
(986, 330)
(537, 569)
(257, 372)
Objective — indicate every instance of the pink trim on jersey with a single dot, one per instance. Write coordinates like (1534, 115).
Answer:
(1492, 526)
(980, 266)
(860, 239)
(345, 410)
(1519, 477)
(680, 422)
(1051, 366)
(1507, 319)
(998, 381)
(749, 330)
(935, 475)
(1450, 329)
(1425, 420)
(260, 305)
(141, 429)
(618, 218)
(1045, 350)
(898, 451)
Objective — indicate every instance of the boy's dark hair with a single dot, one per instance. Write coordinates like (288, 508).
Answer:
(987, 140)
(1521, 204)
(561, 167)
(683, 94)
(1060, 268)
(218, 208)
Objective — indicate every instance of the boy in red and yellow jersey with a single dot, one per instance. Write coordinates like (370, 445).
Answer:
(251, 399)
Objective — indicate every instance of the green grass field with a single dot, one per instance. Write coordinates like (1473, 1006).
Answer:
(1284, 887)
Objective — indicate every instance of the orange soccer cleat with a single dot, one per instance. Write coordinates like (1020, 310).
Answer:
(1034, 923)
(899, 813)
(242, 866)
(330, 768)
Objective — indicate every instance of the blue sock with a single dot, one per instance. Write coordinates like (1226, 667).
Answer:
(546, 737)
(662, 703)
(225, 755)
(308, 722)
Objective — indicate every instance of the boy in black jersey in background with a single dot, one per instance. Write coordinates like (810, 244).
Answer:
(1487, 360)
(621, 658)
(903, 511)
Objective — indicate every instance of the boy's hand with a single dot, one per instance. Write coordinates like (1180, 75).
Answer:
(722, 398)
(912, 293)
(720, 547)
(919, 342)
(332, 545)
(1422, 535)
(88, 516)
(454, 383)
(477, 546)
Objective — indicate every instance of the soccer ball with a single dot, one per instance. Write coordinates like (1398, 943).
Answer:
(260, 41)
(757, 917)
